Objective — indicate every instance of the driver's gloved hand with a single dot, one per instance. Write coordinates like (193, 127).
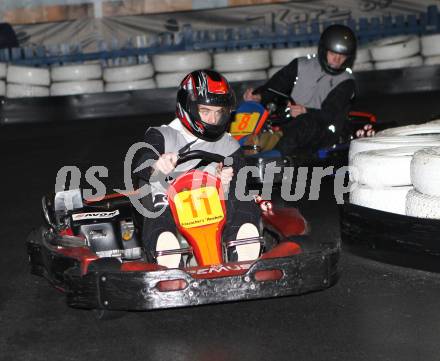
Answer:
(166, 163)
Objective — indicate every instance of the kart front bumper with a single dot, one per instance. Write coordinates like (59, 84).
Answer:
(116, 290)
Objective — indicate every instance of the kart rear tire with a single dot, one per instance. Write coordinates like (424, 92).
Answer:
(270, 240)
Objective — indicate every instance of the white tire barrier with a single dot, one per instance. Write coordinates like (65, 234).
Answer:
(76, 72)
(363, 55)
(128, 73)
(130, 85)
(400, 63)
(26, 91)
(2, 88)
(422, 205)
(27, 75)
(281, 57)
(396, 47)
(3, 70)
(383, 167)
(432, 60)
(432, 128)
(235, 61)
(372, 143)
(425, 171)
(182, 61)
(169, 80)
(363, 66)
(430, 45)
(77, 87)
(392, 199)
(271, 71)
(245, 75)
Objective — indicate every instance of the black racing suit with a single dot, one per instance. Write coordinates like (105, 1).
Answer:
(311, 129)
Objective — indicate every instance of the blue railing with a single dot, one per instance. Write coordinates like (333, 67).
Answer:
(188, 39)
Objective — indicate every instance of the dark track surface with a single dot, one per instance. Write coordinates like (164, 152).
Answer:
(375, 312)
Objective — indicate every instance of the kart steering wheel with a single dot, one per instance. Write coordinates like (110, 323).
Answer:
(205, 157)
(279, 113)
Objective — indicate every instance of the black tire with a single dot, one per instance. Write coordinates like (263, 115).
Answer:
(270, 240)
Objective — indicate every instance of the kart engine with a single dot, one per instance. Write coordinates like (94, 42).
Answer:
(108, 230)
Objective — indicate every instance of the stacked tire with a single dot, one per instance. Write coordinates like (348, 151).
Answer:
(431, 49)
(76, 79)
(282, 57)
(132, 77)
(246, 65)
(396, 52)
(424, 200)
(3, 71)
(381, 167)
(363, 60)
(172, 67)
(24, 81)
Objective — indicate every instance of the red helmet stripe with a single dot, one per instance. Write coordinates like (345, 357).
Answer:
(217, 87)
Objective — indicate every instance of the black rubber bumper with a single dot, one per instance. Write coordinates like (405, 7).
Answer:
(392, 238)
(139, 290)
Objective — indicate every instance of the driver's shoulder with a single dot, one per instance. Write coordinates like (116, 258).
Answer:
(228, 143)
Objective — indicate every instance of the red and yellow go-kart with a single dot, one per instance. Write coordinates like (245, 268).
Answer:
(92, 251)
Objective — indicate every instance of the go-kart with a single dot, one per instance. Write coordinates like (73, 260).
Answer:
(252, 119)
(92, 251)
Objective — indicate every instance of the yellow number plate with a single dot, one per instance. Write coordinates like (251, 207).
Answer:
(244, 123)
(198, 207)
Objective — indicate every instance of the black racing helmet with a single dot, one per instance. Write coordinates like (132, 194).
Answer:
(206, 87)
(338, 39)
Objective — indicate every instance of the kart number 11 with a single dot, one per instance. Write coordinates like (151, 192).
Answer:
(198, 207)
